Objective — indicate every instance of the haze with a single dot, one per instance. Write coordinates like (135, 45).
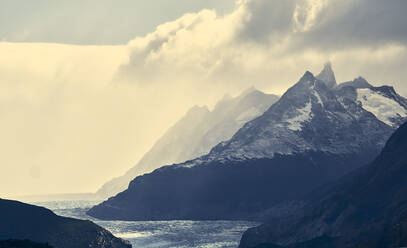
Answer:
(80, 104)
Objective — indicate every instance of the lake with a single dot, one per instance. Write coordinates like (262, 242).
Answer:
(160, 234)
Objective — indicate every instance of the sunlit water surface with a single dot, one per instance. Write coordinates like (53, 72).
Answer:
(160, 234)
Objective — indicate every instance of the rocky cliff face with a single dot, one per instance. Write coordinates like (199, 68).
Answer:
(365, 209)
(313, 135)
(23, 221)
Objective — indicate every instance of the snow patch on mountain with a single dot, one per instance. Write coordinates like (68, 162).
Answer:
(384, 108)
(316, 94)
(304, 115)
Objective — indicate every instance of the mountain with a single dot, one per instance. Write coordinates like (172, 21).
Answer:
(11, 243)
(327, 76)
(365, 209)
(195, 134)
(23, 221)
(312, 117)
(358, 83)
(313, 135)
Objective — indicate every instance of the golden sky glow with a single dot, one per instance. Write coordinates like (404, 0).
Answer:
(75, 116)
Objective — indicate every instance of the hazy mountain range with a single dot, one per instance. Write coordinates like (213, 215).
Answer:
(195, 134)
(315, 133)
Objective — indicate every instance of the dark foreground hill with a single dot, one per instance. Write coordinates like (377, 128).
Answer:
(367, 209)
(13, 243)
(23, 221)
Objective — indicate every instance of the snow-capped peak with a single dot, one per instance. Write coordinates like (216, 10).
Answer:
(386, 109)
(314, 115)
(327, 75)
(310, 116)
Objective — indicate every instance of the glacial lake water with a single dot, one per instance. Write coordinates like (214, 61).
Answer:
(160, 234)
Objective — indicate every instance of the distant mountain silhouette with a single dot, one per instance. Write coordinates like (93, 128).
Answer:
(23, 221)
(367, 209)
(195, 134)
(317, 132)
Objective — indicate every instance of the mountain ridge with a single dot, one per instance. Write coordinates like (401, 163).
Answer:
(194, 134)
(284, 121)
(320, 131)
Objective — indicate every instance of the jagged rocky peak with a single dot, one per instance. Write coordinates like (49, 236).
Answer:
(327, 75)
(307, 81)
(307, 76)
(357, 83)
(362, 83)
(308, 90)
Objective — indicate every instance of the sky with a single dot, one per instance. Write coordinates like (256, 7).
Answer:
(86, 87)
(92, 22)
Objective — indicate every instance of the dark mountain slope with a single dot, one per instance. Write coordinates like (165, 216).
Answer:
(238, 190)
(366, 209)
(23, 221)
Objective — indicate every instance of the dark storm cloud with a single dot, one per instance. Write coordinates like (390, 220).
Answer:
(268, 18)
(359, 23)
(338, 24)
(267, 39)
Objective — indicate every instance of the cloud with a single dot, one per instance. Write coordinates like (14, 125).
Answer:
(266, 19)
(58, 114)
(269, 44)
(61, 113)
(360, 23)
(306, 14)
